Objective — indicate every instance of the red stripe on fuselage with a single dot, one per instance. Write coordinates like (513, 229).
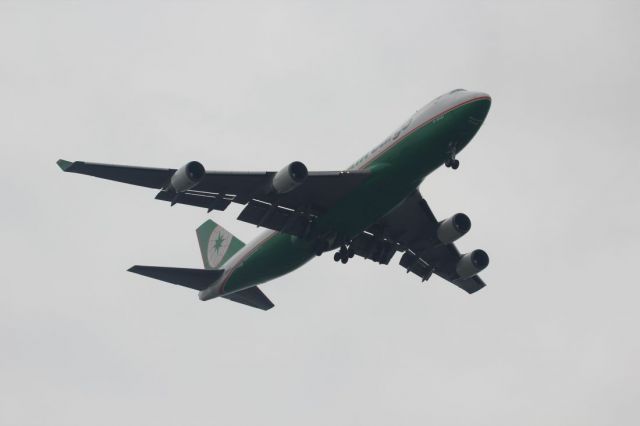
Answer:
(375, 157)
(426, 122)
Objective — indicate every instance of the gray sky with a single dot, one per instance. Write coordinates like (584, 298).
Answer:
(550, 183)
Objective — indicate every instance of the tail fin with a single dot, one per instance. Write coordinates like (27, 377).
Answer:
(217, 244)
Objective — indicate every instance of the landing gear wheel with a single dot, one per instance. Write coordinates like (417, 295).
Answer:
(351, 252)
(455, 164)
(448, 162)
(343, 255)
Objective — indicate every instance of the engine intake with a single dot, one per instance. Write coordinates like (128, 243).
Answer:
(187, 176)
(289, 178)
(451, 229)
(472, 263)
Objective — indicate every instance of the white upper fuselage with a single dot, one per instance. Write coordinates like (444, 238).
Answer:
(430, 113)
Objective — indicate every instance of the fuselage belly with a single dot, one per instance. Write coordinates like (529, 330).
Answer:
(398, 165)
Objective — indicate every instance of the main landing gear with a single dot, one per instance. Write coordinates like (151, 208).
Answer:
(451, 161)
(344, 254)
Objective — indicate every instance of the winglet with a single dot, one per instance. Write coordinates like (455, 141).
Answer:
(64, 164)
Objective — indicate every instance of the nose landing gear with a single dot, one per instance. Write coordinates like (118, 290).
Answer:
(344, 254)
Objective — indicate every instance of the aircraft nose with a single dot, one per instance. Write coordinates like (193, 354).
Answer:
(474, 107)
(478, 107)
(478, 97)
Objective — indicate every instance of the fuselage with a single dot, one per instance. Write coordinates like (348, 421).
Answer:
(397, 165)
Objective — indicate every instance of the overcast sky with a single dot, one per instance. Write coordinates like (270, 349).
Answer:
(550, 183)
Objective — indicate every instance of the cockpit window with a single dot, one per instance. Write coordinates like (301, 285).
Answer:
(457, 90)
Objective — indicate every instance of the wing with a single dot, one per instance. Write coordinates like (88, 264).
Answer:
(412, 227)
(291, 212)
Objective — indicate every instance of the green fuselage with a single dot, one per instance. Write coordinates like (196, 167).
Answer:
(397, 167)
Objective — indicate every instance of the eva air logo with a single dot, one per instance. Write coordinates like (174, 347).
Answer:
(219, 241)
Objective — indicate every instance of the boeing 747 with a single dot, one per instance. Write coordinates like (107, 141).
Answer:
(373, 209)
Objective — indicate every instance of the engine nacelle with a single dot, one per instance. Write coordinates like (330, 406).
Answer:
(289, 178)
(187, 176)
(472, 263)
(453, 228)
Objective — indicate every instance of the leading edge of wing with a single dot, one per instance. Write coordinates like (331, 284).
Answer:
(142, 176)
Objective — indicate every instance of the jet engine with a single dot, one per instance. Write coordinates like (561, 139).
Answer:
(187, 176)
(289, 178)
(472, 263)
(451, 229)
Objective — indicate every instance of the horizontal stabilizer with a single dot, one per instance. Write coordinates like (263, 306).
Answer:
(251, 296)
(197, 279)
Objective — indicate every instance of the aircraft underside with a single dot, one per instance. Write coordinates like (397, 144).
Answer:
(372, 210)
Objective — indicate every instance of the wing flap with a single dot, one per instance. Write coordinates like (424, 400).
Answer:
(275, 217)
(196, 199)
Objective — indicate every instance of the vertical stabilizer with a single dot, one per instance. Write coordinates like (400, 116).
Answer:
(217, 244)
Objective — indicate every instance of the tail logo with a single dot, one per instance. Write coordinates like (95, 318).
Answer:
(219, 241)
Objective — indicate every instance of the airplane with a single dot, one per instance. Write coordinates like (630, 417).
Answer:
(373, 209)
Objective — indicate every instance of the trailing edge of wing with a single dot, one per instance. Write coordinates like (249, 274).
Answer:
(197, 279)
(318, 193)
